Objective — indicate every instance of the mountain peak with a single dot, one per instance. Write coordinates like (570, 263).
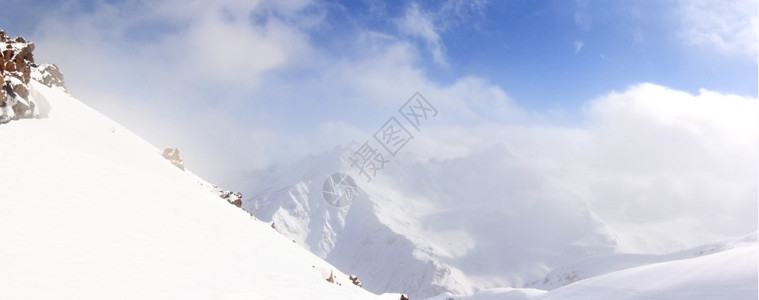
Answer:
(18, 69)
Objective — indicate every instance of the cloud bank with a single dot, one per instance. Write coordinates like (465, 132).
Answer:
(726, 26)
(665, 168)
(238, 85)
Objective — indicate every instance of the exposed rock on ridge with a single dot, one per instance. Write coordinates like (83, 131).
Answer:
(172, 155)
(18, 69)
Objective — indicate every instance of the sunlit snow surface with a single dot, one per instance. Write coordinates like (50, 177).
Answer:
(88, 210)
(729, 274)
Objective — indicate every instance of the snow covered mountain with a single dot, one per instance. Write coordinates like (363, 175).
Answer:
(528, 246)
(454, 226)
(415, 219)
(88, 210)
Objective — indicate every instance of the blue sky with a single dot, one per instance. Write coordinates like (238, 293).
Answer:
(531, 49)
(273, 76)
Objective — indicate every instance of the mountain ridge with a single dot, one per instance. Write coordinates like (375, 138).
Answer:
(504, 235)
(89, 210)
(17, 69)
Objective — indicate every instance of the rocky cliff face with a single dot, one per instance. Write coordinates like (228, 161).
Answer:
(18, 69)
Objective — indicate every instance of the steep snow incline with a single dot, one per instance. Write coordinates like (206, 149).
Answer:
(88, 210)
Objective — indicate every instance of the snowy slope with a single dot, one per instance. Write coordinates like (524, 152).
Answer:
(730, 274)
(726, 274)
(88, 210)
(606, 264)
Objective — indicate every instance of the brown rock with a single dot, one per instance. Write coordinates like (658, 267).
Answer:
(172, 155)
(20, 62)
(354, 279)
(17, 61)
(20, 109)
(21, 91)
(26, 53)
(2, 98)
(27, 75)
(7, 88)
(52, 76)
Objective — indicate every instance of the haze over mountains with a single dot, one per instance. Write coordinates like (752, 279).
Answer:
(91, 210)
(470, 223)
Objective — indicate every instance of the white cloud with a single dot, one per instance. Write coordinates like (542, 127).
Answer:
(418, 24)
(646, 155)
(729, 26)
(178, 73)
(429, 25)
(578, 46)
(457, 12)
(217, 84)
(582, 15)
(582, 20)
(663, 155)
(214, 49)
(647, 161)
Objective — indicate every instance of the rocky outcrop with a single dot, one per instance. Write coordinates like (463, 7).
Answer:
(331, 277)
(354, 279)
(18, 69)
(172, 155)
(233, 198)
(51, 76)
